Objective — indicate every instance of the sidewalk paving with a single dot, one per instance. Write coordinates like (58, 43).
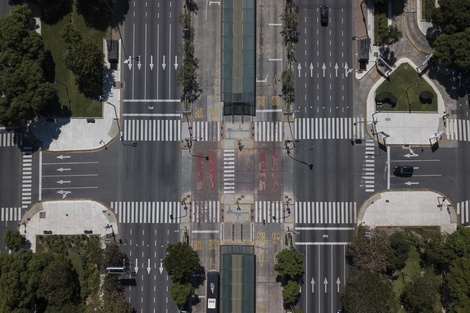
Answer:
(408, 208)
(67, 218)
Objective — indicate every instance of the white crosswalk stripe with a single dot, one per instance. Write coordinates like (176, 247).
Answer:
(229, 171)
(325, 212)
(148, 212)
(205, 212)
(368, 172)
(10, 214)
(27, 178)
(206, 131)
(11, 139)
(329, 128)
(458, 129)
(151, 130)
(268, 131)
(463, 209)
(270, 211)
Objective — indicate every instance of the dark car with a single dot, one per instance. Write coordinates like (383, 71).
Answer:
(324, 15)
(403, 171)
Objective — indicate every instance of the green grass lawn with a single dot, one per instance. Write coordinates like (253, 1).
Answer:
(406, 85)
(69, 96)
(380, 18)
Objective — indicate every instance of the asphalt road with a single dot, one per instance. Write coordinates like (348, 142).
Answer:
(324, 91)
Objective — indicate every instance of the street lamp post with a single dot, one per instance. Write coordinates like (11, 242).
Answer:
(183, 202)
(189, 144)
(285, 210)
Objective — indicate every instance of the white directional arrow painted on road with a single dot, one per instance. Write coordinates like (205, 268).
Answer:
(64, 193)
(128, 62)
(338, 282)
(63, 169)
(151, 62)
(325, 236)
(299, 67)
(63, 182)
(324, 69)
(139, 65)
(148, 267)
(161, 266)
(313, 285)
(136, 268)
(409, 183)
(409, 155)
(176, 62)
(311, 70)
(336, 69)
(63, 157)
(347, 70)
(164, 63)
(325, 282)
(150, 107)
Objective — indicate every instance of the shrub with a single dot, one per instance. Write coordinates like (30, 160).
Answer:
(426, 97)
(386, 97)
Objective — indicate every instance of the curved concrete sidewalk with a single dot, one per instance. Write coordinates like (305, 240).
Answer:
(67, 218)
(408, 208)
(405, 128)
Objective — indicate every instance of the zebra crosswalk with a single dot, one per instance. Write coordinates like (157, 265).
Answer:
(27, 177)
(205, 212)
(10, 214)
(268, 131)
(151, 130)
(368, 169)
(11, 139)
(458, 129)
(329, 128)
(148, 212)
(206, 131)
(229, 171)
(271, 211)
(325, 212)
(463, 209)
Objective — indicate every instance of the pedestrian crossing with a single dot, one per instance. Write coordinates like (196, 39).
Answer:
(268, 131)
(458, 129)
(368, 169)
(329, 128)
(151, 130)
(27, 177)
(229, 171)
(11, 139)
(10, 214)
(148, 212)
(325, 212)
(205, 212)
(271, 212)
(463, 209)
(206, 131)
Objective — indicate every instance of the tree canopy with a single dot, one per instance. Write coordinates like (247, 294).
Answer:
(289, 264)
(180, 261)
(422, 295)
(24, 89)
(291, 292)
(368, 292)
(452, 16)
(369, 252)
(180, 292)
(13, 239)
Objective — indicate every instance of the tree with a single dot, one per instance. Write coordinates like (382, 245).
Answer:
(13, 239)
(457, 284)
(454, 49)
(59, 284)
(113, 255)
(422, 295)
(86, 60)
(97, 13)
(54, 10)
(390, 35)
(369, 252)
(368, 292)
(24, 88)
(115, 303)
(36, 266)
(434, 253)
(180, 292)
(290, 292)
(288, 86)
(398, 254)
(451, 16)
(289, 264)
(70, 35)
(180, 261)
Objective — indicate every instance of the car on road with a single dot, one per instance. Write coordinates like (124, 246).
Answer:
(403, 171)
(324, 15)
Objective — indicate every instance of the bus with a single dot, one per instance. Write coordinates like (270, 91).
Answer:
(116, 270)
(212, 293)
